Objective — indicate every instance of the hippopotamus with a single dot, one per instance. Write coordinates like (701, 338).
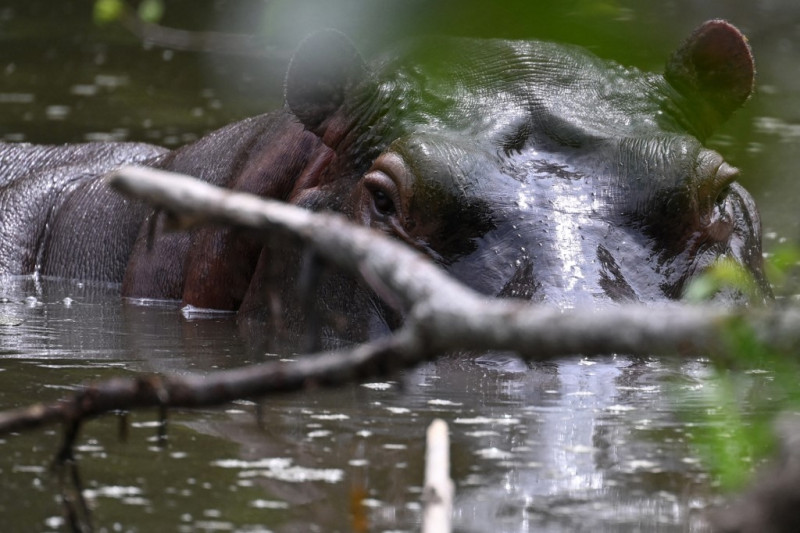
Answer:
(525, 169)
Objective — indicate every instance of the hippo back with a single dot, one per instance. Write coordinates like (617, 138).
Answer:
(58, 218)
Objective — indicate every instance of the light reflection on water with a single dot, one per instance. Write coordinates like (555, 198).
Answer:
(554, 447)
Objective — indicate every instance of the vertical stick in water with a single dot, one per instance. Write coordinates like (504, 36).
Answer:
(438, 492)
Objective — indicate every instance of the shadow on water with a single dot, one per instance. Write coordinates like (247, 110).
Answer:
(574, 445)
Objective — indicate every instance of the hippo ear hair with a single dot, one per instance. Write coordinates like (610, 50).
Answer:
(324, 66)
(714, 67)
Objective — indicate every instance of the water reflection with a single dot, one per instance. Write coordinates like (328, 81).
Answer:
(555, 447)
(574, 446)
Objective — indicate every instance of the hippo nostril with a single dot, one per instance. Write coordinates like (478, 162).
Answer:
(725, 175)
(722, 181)
(714, 177)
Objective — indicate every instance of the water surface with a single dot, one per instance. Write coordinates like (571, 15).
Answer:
(552, 447)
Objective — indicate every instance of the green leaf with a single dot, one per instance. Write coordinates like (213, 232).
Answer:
(106, 11)
(701, 289)
(151, 10)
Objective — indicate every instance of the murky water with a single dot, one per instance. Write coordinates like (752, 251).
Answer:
(552, 447)
(574, 445)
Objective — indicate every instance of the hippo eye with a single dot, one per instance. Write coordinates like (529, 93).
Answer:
(382, 202)
(383, 191)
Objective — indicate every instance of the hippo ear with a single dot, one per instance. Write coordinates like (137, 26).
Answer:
(324, 67)
(714, 67)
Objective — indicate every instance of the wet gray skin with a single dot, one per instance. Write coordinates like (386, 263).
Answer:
(539, 171)
(570, 185)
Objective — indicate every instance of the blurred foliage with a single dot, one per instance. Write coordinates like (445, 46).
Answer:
(730, 440)
(783, 269)
(724, 274)
(753, 385)
(601, 24)
(106, 11)
(151, 10)
(604, 25)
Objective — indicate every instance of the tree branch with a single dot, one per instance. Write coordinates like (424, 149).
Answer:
(443, 315)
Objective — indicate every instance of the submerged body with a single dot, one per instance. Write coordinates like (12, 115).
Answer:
(525, 169)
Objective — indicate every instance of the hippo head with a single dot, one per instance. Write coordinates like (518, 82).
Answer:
(535, 170)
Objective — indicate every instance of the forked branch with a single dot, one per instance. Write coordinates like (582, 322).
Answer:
(442, 314)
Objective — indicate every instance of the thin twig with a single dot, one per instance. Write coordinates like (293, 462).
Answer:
(217, 388)
(439, 490)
